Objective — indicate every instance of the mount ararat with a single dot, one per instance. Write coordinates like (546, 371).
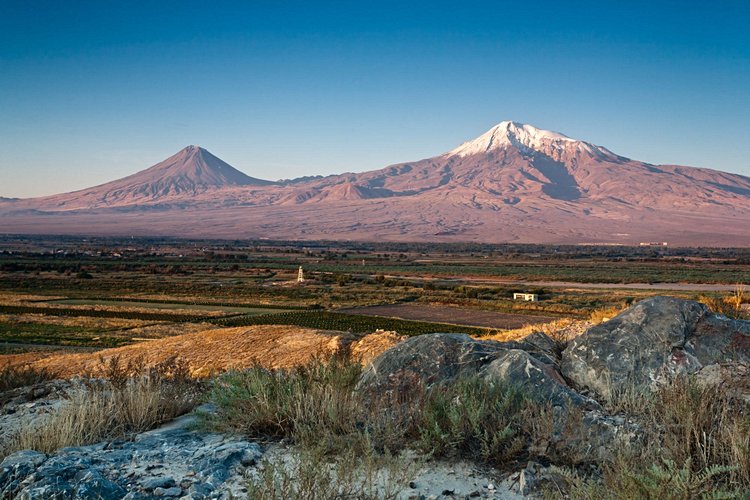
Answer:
(514, 183)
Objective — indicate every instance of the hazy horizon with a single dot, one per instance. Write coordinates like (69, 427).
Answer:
(93, 93)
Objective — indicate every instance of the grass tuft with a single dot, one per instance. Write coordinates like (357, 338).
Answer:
(110, 408)
(13, 377)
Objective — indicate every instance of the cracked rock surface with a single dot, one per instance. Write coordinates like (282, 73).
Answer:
(653, 341)
(172, 461)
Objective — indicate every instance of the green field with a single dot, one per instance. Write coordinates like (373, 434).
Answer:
(60, 335)
(350, 323)
(167, 305)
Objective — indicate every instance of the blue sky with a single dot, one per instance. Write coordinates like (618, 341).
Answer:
(93, 91)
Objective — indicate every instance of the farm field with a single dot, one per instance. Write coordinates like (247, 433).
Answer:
(453, 315)
(79, 294)
(129, 304)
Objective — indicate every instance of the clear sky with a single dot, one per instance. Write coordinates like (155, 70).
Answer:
(93, 91)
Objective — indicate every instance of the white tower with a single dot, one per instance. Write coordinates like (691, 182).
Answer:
(300, 275)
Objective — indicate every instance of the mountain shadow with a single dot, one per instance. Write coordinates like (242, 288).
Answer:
(562, 185)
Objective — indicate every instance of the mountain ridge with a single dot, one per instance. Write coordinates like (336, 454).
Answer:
(515, 182)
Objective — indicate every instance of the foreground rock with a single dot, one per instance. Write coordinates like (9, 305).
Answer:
(168, 462)
(25, 406)
(578, 427)
(441, 358)
(653, 341)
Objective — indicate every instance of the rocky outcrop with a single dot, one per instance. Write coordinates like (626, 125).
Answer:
(172, 461)
(24, 406)
(653, 341)
(441, 358)
(649, 343)
(576, 425)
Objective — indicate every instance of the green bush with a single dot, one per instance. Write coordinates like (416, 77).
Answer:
(318, 406)
(474, 419)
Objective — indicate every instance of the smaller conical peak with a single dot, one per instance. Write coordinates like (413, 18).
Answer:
(193, 148)
(510, 133)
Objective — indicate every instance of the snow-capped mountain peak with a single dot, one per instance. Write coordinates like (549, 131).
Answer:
(526, 138)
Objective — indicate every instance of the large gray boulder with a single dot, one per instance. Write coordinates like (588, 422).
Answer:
(574, 425)
(540, 381)
(441, 358)
(650, 343)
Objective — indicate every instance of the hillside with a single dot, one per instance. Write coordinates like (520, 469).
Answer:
(212, 351)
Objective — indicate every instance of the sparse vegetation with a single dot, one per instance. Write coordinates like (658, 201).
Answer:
(696, 440)
(13, 377)
(313, 475)
(132, 399)
(309, 405)
(696, 445)
(730, 305)
(317, 407)
(662, 480)
(606, 313)
(474, 419)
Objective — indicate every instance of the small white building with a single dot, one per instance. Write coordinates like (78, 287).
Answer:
(529, 297)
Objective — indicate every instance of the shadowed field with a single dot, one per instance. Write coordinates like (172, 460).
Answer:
(452, 315)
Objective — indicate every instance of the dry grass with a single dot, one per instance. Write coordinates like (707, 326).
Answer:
(112, 326)
(598, 316)
(304, 403)
(519, 333)
(367, 348)
(474, 419)
(339, 440)
(12, 377)
(111, 408)
(730, 305)
(703, 425)
(662, 480)
(696, 445)
(311, 475)
(29, 358)
(20, 299)
(218, 350)
(561, 331)
(86, 322)
(315, 406)
(696, 439)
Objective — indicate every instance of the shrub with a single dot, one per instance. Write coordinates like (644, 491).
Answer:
(696, 445)
(12, 377)
(703, 426)
(106, 409)
(473, 419)
(660, 481)
(306, 404)
(317, 406)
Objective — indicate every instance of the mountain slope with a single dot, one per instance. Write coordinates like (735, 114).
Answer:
(519, 165)
(513, 183)
(189, 172)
